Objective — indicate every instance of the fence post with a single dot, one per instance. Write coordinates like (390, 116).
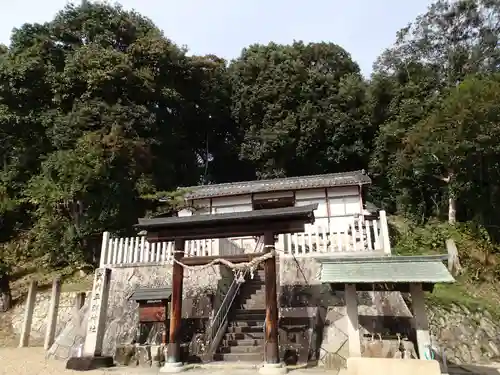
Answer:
(28, 315)
(104, 248)
(384, 229)
(53, 312)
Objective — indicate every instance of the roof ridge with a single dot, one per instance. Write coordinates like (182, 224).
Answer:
(358, 171)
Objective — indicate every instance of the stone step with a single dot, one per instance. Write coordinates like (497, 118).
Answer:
(239, 357)
(241, 349)
(248, 292)
(249, 314)
(246, 323)
(255, 300)
(254, 297)
(255, 282)
(258, 335)
(249, 311)
(251, 295)
(254, 304)
(246, 328)
(243, 342)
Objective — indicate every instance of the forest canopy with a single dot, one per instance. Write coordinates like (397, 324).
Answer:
(100, 112)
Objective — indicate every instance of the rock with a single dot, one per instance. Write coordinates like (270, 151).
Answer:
(333, 339)
(494, 348)
(143, 356)
(124, 354)
(157, 355)
(333, 361)
(465, 335)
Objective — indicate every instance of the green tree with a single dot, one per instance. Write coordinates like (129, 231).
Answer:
(398, 102)
(300, 109)
(98, 108)
(457, 148)
(430, 56)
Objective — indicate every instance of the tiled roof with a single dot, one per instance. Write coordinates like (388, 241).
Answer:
(393, 269)
(148, 294)
(306, 212)
(278, 184)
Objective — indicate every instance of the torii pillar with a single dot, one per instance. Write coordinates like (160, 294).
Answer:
(173, 361)
(272, 363)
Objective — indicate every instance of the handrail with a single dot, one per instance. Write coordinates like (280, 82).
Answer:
(219, 322)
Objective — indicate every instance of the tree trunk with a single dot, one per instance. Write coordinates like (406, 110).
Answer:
(452, 210)
(5, 294)
(454, 265)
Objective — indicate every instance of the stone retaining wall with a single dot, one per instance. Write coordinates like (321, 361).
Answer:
(122, 316)
(40, 315)
(466, 335)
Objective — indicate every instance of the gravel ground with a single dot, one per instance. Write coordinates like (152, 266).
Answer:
(31, 361)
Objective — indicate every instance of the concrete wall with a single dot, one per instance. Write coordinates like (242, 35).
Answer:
(122, 316)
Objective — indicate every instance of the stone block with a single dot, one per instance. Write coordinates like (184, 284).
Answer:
(333, 361)
(157, 355)
(88, 363)
(386, 366)
(143, 356)
(125, 354)
(333, 339)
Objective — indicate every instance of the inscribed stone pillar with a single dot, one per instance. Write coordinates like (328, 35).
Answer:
(351, 305)
(96, 325)
(420, 318)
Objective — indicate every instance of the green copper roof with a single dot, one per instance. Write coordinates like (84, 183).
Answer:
(389, 269)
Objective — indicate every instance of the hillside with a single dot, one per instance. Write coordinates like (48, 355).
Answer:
(477, 286)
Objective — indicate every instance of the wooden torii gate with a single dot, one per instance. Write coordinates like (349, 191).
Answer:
(267, 223)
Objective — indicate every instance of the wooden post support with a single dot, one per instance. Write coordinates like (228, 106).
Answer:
(271, 334)
(53, 311)
(420, 318)
(28, 315)
(351, 306)
(384, 230)
(174, 348)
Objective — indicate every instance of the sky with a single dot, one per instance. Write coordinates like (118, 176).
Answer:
(223, 27)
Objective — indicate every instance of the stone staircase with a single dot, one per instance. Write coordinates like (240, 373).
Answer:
(244, 338)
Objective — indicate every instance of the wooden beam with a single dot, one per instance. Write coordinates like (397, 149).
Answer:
(174, 347)
(382, 287)
(201, 261)
(271, 342)
(208, 232)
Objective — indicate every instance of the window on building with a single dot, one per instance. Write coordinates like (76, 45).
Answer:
(263, 204)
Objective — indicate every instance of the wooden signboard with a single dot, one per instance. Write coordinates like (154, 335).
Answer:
(153, 311)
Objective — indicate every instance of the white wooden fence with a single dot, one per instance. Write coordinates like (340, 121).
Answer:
(341, 235)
